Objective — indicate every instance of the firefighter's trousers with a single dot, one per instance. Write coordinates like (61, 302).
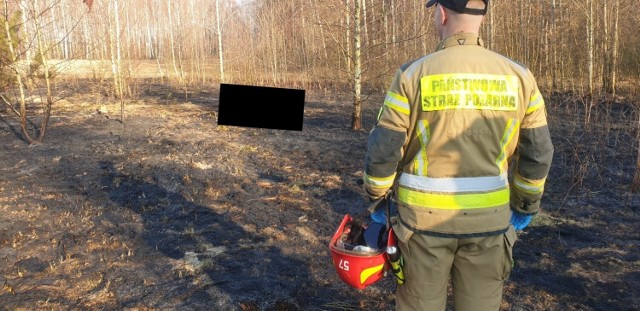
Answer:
(478, 267)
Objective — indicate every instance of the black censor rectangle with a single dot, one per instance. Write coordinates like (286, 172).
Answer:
(261, 107)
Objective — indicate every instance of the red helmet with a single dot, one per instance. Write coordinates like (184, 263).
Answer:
(358, 269)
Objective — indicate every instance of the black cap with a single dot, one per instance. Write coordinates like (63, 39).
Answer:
(460, 6)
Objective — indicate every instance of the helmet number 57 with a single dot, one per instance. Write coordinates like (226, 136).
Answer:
(344, 265)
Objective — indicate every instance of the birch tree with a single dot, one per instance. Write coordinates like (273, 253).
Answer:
(356, 119)
(32, 12)
(10, 39)
(42, 54)
(590, 50)
(172, 41)
(610, 47)
(220, 47)
(115, 44)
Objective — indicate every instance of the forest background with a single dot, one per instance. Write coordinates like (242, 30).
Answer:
(586, 48)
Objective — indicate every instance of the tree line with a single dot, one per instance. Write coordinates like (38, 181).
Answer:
(586, 47)
(570, 45)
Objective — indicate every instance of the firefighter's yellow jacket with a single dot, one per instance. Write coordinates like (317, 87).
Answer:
(445, 135)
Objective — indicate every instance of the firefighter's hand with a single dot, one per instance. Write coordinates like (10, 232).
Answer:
(379, 216)
(520, 221)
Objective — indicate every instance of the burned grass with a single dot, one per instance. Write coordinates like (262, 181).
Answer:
(172, 212)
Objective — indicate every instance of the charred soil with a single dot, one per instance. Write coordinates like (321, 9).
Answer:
(173, 212)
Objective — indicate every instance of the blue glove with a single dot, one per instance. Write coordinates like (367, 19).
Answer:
(520, 221)
(379, 216)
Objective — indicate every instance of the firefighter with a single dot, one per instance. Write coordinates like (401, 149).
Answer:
(449, 125)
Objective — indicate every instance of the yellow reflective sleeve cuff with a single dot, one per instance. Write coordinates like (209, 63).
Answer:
(535, 102)
(449, 201)
(397, 102)
(529, 186)
(379, 182)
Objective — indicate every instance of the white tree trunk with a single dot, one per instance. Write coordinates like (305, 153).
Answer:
(25, 25)
(356, 121)
(219, 32)
(45, 67)
(614, 56)
(14, 58)
(172, 40)
(348, 33)
(590, 49)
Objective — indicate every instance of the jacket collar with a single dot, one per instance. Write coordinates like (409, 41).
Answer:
(461, 38)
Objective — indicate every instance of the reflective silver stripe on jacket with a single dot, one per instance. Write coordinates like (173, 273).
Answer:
(461, 184)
